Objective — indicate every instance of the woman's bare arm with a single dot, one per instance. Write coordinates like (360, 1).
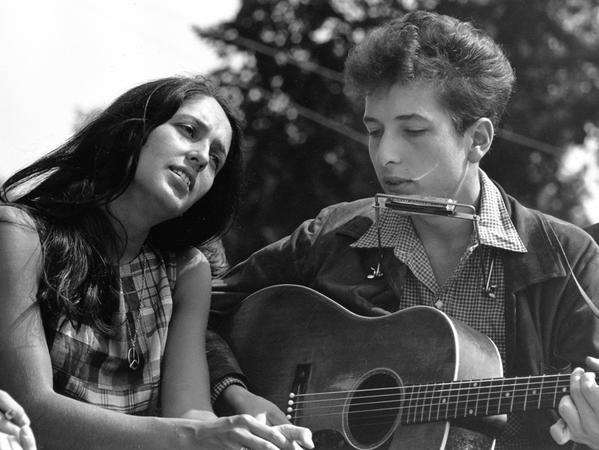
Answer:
(26, 371)
(185, 381)
(63, 423)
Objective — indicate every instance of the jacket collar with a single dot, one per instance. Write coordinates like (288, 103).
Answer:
(542, 261)
(359, 225)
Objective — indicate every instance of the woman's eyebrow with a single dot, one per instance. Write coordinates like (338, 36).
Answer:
(191, 117)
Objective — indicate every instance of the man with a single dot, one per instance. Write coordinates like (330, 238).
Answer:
(435, 89)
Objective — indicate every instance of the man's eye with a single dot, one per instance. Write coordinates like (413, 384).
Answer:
(374, 133)
(415, 131)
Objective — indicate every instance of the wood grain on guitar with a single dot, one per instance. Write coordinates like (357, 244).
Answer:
(415, 379)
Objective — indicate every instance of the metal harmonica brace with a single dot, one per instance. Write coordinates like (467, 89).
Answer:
(413, 204)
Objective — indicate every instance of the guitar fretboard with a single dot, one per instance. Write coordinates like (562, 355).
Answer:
(459, 399)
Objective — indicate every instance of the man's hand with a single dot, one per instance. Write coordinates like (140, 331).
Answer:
(238, 400)
(579, 411)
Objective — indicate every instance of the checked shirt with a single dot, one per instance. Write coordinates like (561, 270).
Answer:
(92, 367)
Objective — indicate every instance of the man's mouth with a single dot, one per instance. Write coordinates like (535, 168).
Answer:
(395, 181)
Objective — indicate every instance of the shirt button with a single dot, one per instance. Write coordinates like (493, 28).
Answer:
(439, 304)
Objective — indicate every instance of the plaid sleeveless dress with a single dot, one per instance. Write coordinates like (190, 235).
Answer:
(94, 368)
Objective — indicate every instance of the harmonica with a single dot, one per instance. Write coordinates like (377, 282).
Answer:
(416, 204)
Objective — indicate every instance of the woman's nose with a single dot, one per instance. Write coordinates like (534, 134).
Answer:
(199, 155)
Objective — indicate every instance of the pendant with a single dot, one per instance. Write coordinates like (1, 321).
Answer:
(376, 272)
(133, 358)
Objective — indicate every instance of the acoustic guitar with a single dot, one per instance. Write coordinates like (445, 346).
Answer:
(414, 379)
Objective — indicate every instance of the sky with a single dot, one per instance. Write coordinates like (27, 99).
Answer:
(58, 57)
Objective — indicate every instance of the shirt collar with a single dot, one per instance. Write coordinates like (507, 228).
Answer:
(495, 227)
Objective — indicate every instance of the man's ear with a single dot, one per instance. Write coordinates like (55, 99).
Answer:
(481, 133)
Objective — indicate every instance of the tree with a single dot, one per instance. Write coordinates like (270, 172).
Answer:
(305, 144)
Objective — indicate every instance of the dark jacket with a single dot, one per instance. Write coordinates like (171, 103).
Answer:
(549, 327)
(593, 230)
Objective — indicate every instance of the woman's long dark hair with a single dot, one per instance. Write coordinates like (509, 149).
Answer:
(66, 192)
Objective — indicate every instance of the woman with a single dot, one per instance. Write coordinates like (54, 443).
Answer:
(99, 261)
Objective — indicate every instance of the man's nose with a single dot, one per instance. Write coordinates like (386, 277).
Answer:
(389, 150)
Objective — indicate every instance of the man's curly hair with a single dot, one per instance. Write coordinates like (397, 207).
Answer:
(472, 75)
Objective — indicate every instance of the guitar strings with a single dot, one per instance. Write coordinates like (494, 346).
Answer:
(496, 401)
(499, 395)
(488, 402)
(446, 399)
(417, 413)
(450, 407)
(523, 382)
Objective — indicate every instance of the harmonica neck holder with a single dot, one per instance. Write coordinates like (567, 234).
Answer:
(429, 206)
(419, 205)
(411, 204)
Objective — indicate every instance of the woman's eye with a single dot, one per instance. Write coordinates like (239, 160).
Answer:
(187, 129)
(216, 161)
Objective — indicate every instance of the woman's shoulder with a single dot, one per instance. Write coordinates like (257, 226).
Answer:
(19, 238)
(190, 258)
(17, 224)
(184, 265)
(193, 276)
(12, 214)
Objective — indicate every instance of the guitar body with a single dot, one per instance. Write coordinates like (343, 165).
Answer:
(291, 339)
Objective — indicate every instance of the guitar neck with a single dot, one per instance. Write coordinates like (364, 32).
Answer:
(471, 398)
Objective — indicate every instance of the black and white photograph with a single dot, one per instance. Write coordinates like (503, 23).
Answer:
(299, 224)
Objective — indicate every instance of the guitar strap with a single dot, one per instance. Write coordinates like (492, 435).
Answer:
(564, 257)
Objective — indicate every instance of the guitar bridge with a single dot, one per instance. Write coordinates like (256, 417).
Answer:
(299, 386)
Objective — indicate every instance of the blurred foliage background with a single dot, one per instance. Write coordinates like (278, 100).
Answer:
(305, 142)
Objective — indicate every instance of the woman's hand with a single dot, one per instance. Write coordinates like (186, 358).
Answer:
(579, 411)
(15, 432)
(238, 400)
(245, 431)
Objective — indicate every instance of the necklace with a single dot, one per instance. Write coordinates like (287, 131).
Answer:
(133, 315)
(132, 353)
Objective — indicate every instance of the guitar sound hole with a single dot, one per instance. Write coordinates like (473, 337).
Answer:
(373, 410)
